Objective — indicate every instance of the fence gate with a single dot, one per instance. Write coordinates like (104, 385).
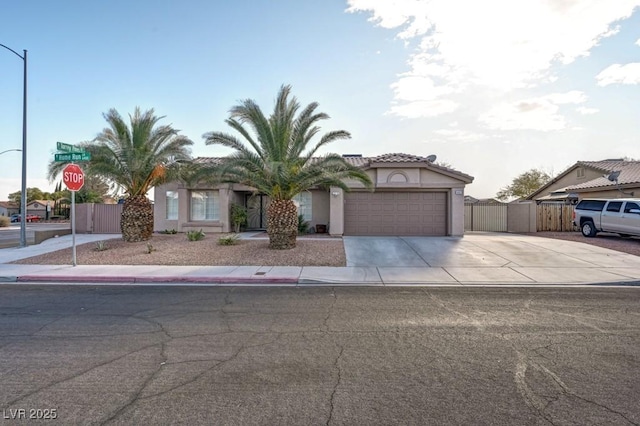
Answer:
(485, 217)
(554, 217)
(106, 218)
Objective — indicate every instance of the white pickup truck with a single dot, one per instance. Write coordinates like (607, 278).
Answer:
(619, 215)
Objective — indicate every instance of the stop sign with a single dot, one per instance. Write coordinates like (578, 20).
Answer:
(73, 177)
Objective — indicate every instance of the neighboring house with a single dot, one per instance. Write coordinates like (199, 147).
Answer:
(411, 196)
(7, 208)
(39, 207)
(588, 179)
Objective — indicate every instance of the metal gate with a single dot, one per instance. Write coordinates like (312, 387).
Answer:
(490, 217)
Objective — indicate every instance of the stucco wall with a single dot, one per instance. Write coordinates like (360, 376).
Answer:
(336, 212)
(160, 222)
(456, 215)
(320, 206)
(521, 217)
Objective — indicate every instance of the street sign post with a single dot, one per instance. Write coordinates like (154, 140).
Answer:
(73, 178)
(73, 156)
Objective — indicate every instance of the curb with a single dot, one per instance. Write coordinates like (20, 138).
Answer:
(145, 280)
(283, 281)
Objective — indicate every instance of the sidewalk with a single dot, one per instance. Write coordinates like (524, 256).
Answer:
(612, 268)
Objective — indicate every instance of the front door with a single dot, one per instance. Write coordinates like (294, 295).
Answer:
(256, 211)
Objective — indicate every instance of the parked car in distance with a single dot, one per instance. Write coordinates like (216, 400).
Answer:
(619, 215)
(15, 218)
(32, 218)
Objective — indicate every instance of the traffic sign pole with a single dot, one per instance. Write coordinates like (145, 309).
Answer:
(73, 178)
(73, 229)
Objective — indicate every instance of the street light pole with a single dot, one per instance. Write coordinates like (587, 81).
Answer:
(23, 189)
(9, 150)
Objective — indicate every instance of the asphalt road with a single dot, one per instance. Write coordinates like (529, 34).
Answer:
(321, 355)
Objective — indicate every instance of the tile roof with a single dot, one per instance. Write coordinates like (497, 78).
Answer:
(398, 157)
(365, 162)
(629, 173)
(8, 204)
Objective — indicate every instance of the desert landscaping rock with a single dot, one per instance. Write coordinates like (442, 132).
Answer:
(176, 250)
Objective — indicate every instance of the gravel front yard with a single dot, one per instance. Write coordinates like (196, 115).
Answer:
(177, 250)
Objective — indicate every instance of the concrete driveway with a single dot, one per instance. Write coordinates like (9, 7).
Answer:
(488, 257)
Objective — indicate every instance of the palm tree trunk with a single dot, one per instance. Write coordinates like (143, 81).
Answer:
(282, 224)
(136, 221)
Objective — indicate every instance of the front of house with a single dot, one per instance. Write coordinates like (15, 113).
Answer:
(411, 196)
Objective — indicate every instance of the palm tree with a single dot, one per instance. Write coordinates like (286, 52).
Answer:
(134, 158)
(276, 161)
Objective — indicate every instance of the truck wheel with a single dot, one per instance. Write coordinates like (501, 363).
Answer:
(588, 229)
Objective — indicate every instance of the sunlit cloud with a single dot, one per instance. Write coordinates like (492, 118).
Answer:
(620, 74)
(540, 113)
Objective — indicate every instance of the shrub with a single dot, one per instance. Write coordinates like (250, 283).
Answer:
(4, 221)
(228, 240)
(101, 246)
(303, 225)
(195, 235)
(168, 231)
(238, 216)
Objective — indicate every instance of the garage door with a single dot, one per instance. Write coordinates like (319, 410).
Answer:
(395, 213)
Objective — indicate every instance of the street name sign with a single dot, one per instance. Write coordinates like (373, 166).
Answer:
(73, 156)
(65, 147)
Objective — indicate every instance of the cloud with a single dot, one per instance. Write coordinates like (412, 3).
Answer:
(497, 44)
(459, 135)
(429, 108)
(620, 74)
(638, 42)
(532, 114)
(587, 111)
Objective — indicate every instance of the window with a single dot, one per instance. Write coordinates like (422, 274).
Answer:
(630, 206)
(592, 205)
(205, 205)
(580, 172)
(303, 203)
(614, 206)
(172, 205)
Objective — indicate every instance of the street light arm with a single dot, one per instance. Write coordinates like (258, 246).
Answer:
(10, 49)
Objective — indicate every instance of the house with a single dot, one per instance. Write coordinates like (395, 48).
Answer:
(411, 196)
(7, 208)
(590, 179)
(39, 207)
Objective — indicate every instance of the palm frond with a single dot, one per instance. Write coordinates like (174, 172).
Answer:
(273, 155)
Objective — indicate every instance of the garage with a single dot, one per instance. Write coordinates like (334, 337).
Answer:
(395, 213)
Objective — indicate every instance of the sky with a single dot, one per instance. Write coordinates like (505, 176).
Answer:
(492, 88)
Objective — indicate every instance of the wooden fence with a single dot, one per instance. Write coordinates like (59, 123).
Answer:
(554, 217)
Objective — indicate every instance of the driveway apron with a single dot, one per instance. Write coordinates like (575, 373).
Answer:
(381, 251)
